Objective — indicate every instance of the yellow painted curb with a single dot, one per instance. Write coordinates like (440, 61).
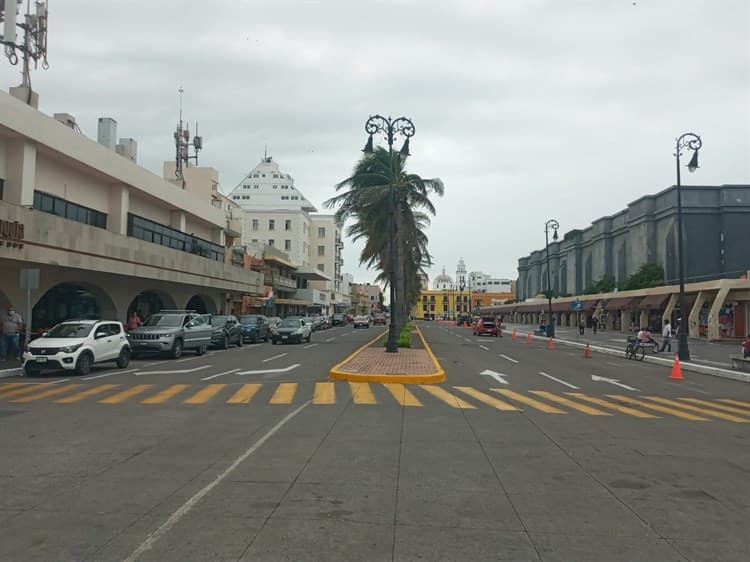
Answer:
(427, 378)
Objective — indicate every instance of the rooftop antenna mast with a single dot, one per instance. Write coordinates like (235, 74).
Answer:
(182, 144)
(33, 45)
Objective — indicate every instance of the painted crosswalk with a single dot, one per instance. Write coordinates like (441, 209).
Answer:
(417, 397)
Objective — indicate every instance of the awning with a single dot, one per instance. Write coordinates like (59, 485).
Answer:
(291, 301)
(655, 301)
(279, 260)
(561, 306)
(620, 303)
(311, 274)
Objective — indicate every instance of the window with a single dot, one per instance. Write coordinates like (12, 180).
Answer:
(287, 244)
(271, 242)
(275, 186)
(321, 232)
(271, 224)
(235, 196)
(255, 187)
(151, 231)
(276, 175)
(321, 267)
(72, 211)
(245, 186)
(287, 224)
(254, 240)
(256, 225)
(321, 250)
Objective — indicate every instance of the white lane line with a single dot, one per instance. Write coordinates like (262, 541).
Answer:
(188, 505)
(57, 382)
(485, 348)
(467, 339)
(508, 358)
(157, 363)
(274, 357)
(175, 372)
(262, 371)
(110, 374)
(10, 370)
(613, 364)
(309, 346)
(558, 380)
(330, 339)
(220, 374)
(252, 345)
(346, 334)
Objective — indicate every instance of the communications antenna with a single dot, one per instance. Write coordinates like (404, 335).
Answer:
(33, 45)
(182, 143)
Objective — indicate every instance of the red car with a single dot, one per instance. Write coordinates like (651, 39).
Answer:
(485, 326)
(378, 319)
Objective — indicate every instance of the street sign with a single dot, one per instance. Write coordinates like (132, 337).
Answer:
(576, 306)
(29, 279)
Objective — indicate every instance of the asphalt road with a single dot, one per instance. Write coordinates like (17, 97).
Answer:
(251, 454)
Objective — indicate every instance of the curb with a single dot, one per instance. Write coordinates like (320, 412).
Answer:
(429, 378)
(686, 366)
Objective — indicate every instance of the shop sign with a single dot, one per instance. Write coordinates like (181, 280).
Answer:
(11, 234)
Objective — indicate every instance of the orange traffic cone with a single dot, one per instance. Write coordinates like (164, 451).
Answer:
(587, 354)
(550, 344)
(528, 338)
(515, 333)
(676, 369)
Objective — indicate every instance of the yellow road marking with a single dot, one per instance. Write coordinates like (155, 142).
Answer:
(204, 395)
(529, 401)
(48, 392)
(8, 386)
(600, 402)
(244, 394)
(452, 401)
(402, 394)
(718, 406)
(569, 403)
(22, 390)
(704, 411)
(324, 393)
(656, 407)
(86, 393)
(487, 399)
(362, 393)
(164, 395)
(125, 394)
(735, 402)
(284, 393)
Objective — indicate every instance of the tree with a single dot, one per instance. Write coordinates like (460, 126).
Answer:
(366, 202)
(648, 275)
(606, 284)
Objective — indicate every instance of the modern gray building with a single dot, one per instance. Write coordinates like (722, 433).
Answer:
(716, 242)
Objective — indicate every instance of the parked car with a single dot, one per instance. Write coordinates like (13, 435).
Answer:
(320, 323)
(254, 327)
(171, 331)
(292, 329)
(485, 326)
(361, 322)
(338, 320)
(77, 345)
(310, 321)
(225, 331)
(378, 318)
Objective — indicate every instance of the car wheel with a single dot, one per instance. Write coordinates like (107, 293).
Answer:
(255, 339)
(266, 338)
(201, 349)
(177, 349)
(30, 371)
(124, 359)
(83, 365)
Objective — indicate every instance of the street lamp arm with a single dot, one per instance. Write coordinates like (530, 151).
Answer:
(551, 224)
(390, 127)
(687, 140)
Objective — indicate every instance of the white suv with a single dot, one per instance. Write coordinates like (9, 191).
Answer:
(77, 345)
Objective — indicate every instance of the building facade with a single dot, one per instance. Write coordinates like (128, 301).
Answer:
(716, 220)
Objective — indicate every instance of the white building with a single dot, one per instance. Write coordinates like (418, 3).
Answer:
(483, 283)
(443, 281)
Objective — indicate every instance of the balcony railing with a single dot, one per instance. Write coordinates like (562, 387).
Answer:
(281, 282)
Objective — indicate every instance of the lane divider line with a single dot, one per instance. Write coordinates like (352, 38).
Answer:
(110, 374)
(558, 380)
(508, 358)
(208, 378)
(274, 357)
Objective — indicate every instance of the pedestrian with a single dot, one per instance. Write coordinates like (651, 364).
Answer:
(594, 324)
(666, 333)
(582, 326)
(10, 344)
(746, 347)
(134, 321)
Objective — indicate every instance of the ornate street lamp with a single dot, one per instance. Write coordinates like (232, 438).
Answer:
(390, 128)
(552, 225)
(692, 142)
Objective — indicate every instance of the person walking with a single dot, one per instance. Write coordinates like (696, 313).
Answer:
(10, 343)
(582, 326)
(594, 324)
(666, 333)
(134, 321)
(746, 347)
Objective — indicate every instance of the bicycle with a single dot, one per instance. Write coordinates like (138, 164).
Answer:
(634, 350)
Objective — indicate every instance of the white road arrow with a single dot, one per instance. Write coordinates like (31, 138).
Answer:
(265, 371)
(497, 376)
(613, 381)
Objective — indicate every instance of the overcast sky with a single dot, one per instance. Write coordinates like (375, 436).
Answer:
(526, 109)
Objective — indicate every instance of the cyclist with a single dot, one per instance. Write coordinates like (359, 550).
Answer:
(645, 338)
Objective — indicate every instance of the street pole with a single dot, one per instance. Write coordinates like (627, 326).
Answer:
(693, 142)
(554, 225)
(390, 127)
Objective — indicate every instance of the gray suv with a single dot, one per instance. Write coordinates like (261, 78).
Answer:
(171, 331)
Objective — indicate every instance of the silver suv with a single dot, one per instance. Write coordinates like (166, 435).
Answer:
(172, 332)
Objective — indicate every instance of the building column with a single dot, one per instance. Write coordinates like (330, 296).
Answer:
(20, 173)
(119, 206)
(667, 314)
(694, 318)
(177, 220)
(713, 331)
(643, 320)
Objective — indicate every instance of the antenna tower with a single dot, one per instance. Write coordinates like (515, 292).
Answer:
(33, 44)
(182, 144)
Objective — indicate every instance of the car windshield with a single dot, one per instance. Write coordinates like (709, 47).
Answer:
(249, 319)
(164, 320)
(290, 323)
(70, 331)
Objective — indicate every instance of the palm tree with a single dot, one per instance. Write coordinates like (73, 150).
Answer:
(366, 203)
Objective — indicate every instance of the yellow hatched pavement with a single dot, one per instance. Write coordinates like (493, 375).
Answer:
(328, 394)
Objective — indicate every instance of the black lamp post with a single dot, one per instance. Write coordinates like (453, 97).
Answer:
(390, 128)
(692, 142)
(553, 225)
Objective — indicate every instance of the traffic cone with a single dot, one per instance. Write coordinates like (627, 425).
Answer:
(676, 369)
(528, 338)
(587, 353)
(515, 333)
(550, 344)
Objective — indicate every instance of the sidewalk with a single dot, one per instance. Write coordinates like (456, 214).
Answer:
(371, 363)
